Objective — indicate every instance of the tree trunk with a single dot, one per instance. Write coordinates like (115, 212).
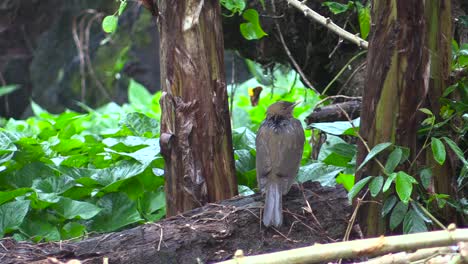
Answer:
(396, 87)
(195, 127)
(439, 28)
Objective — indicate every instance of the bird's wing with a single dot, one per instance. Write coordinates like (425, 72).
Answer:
(288, 159)
(263, 157)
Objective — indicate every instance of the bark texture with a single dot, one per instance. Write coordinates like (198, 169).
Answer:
(396, 87)
(211, 233)
(195, 128)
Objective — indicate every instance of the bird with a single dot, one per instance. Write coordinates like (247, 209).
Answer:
(279, 146)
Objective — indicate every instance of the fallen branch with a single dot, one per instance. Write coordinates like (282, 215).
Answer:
(328, 23)
(357, 248)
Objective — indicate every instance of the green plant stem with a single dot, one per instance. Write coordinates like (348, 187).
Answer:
(342, 70)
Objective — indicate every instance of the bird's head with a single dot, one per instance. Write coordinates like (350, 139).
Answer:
(281, 109)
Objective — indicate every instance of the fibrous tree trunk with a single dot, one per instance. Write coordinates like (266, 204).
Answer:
(396, 87)
(439, 35)
(195, 128)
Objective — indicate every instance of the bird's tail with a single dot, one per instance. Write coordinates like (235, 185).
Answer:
(273, 214)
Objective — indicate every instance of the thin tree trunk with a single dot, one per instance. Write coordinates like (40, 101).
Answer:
(195, 128)
(397, 84)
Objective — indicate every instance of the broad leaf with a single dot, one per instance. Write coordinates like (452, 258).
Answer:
(71, 209)
(426, 177)
(374, 151)
(38, 229)
(413, 223)
(389, 181)
(398, 214)
(376, 185)
(364, 19)
(438, 150)
(388, 205)
(404, 186)
(319, 172)
(358, 186)
(117, 211)
(336, 128)
(72, 230)
(109, 24)
(347, 180)
(336, 8)
(251, 29)
(393, 160)
(12, 215)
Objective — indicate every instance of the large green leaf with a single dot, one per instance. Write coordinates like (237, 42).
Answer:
(243, 138)
(71, 209)
(37, 228)
(235, 6)
(413, 223)
(336, 128)
(376, 185)
(151, 202)
(393, 160)
(346, 179)
(398, 214)
(404, 186)
(54, 184)
(141, 125)
(358, 187)
(456, 150)
(72, 230)
(117, 211)
(374, 151)
(138, 96)
(364, 19)
(245, 161)
(109, 23)
(438, 150)
(319, 172)
(9, 195)
(252, 28)
(388, 205)
(12, 215)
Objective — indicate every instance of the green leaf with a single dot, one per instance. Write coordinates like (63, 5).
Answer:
(38, 228)
(10, 195)
(245, 161)
(388, 205)
(235, 6)
(122, 7)
(151, 202)
(398, 214)
(336, 8)
(438, 150)
(72, 230)
(319, 172)
(393, 160)
(344, 149)
(358, 186)
(4, 90)
(413, 223)
(336, 128)
(252, 29)
(346, 179)
(426, 111)
(364, 19)
(141, 125)
(71, 209)
(417, 209)
(243, 138)
(12, 215)
(117, 211)
(376, 185)
(374, 151)
(389, 181)
(109, 24)
(404, 186)
(456, 150)
(426, 177)
(138, 96)
(54, 184)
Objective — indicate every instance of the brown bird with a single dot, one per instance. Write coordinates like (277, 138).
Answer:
(280, 143)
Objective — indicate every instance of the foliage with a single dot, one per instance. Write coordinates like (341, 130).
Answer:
(363, 13)
(64, 175)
